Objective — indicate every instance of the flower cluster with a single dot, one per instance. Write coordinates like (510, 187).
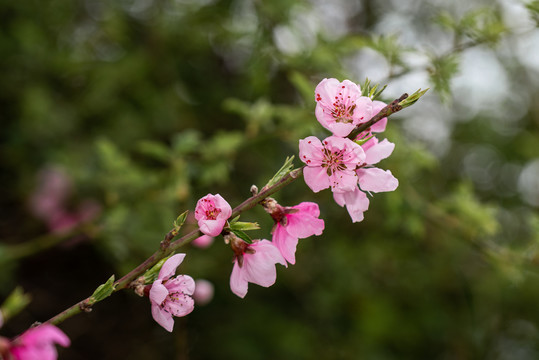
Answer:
(344, 165)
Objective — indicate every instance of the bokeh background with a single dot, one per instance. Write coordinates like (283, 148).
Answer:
(116, 116)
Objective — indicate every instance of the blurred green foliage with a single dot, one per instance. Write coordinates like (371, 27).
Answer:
(148, 106)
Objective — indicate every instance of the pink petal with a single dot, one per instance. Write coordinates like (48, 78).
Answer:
(339, 128)
(356, 203)
(286, 243)
(305, 223)
(363, 111)
(311, 151)
(203, 241)
(221, 203)
(212, 227)
(308, 207)
(343, 181)
(162, 317)
(378, 151)
(380, 125)
(316, 178)
(181, 283)
(260, 266)
(181, 306)
(238, 283)
(377, 180)
(169, 267)
(158, 292)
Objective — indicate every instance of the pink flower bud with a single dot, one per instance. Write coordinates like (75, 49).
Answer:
(203, 292)
(212, 212)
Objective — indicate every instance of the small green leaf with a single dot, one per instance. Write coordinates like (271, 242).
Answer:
(234, 220)
(15, 303)
(244, 226)
(180, 220)
(103, 291)
(364, 140)
(410, 100)
(243, 236)
(283, 171)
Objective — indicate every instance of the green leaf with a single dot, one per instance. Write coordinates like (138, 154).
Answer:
(243, 236)
(15, 303)
(282, 172)
(412, 99)
(244, 226)
(103, 291)
(180, 220)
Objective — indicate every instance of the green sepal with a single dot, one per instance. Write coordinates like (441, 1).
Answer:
(15, 303)
(242, 235)
(103, 291)
(244, 226)
(151, 274)
(282, 172)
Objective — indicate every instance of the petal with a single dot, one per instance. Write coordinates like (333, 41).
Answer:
(325, 91)
(304, 224)
(48, 334)
(181, 283)
(286, 243)
(158, 292)
(162, 317)
(380, 125)
(343, 181)
(363, 111)
(311, 151)
(308, 207)
(356, 203)
(181, 306)
(211, 227)
(379, 151)
(316, 178)
(260, 266)
(223, 205)
(376, 180)
(238, 283)
(169, 267)
(339, 128)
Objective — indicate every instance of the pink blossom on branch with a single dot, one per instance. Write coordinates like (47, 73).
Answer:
(340, 106)
(38, 343)
(293, 223)
(171, 296)
(330, 163)
(370, 179)
(212, 212)
(254, 263)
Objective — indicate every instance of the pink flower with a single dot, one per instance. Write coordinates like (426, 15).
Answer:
(254, 263)
(38, 343)
(171, 296)
(203, 241)
(340, 106)
(212, 212)
(370, 179)
(331, 163)
(203, 292)
(293, 223)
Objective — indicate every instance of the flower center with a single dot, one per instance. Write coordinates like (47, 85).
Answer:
(334, 161)
(212, 212)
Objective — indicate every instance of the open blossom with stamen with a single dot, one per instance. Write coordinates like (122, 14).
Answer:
(330, 163)
(38, 343)
(254, 263)
(171, 296)
(212, 212)
(371, 179)
(340, 106)
(293, 223)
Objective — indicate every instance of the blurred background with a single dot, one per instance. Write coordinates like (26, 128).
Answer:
(117, 116)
